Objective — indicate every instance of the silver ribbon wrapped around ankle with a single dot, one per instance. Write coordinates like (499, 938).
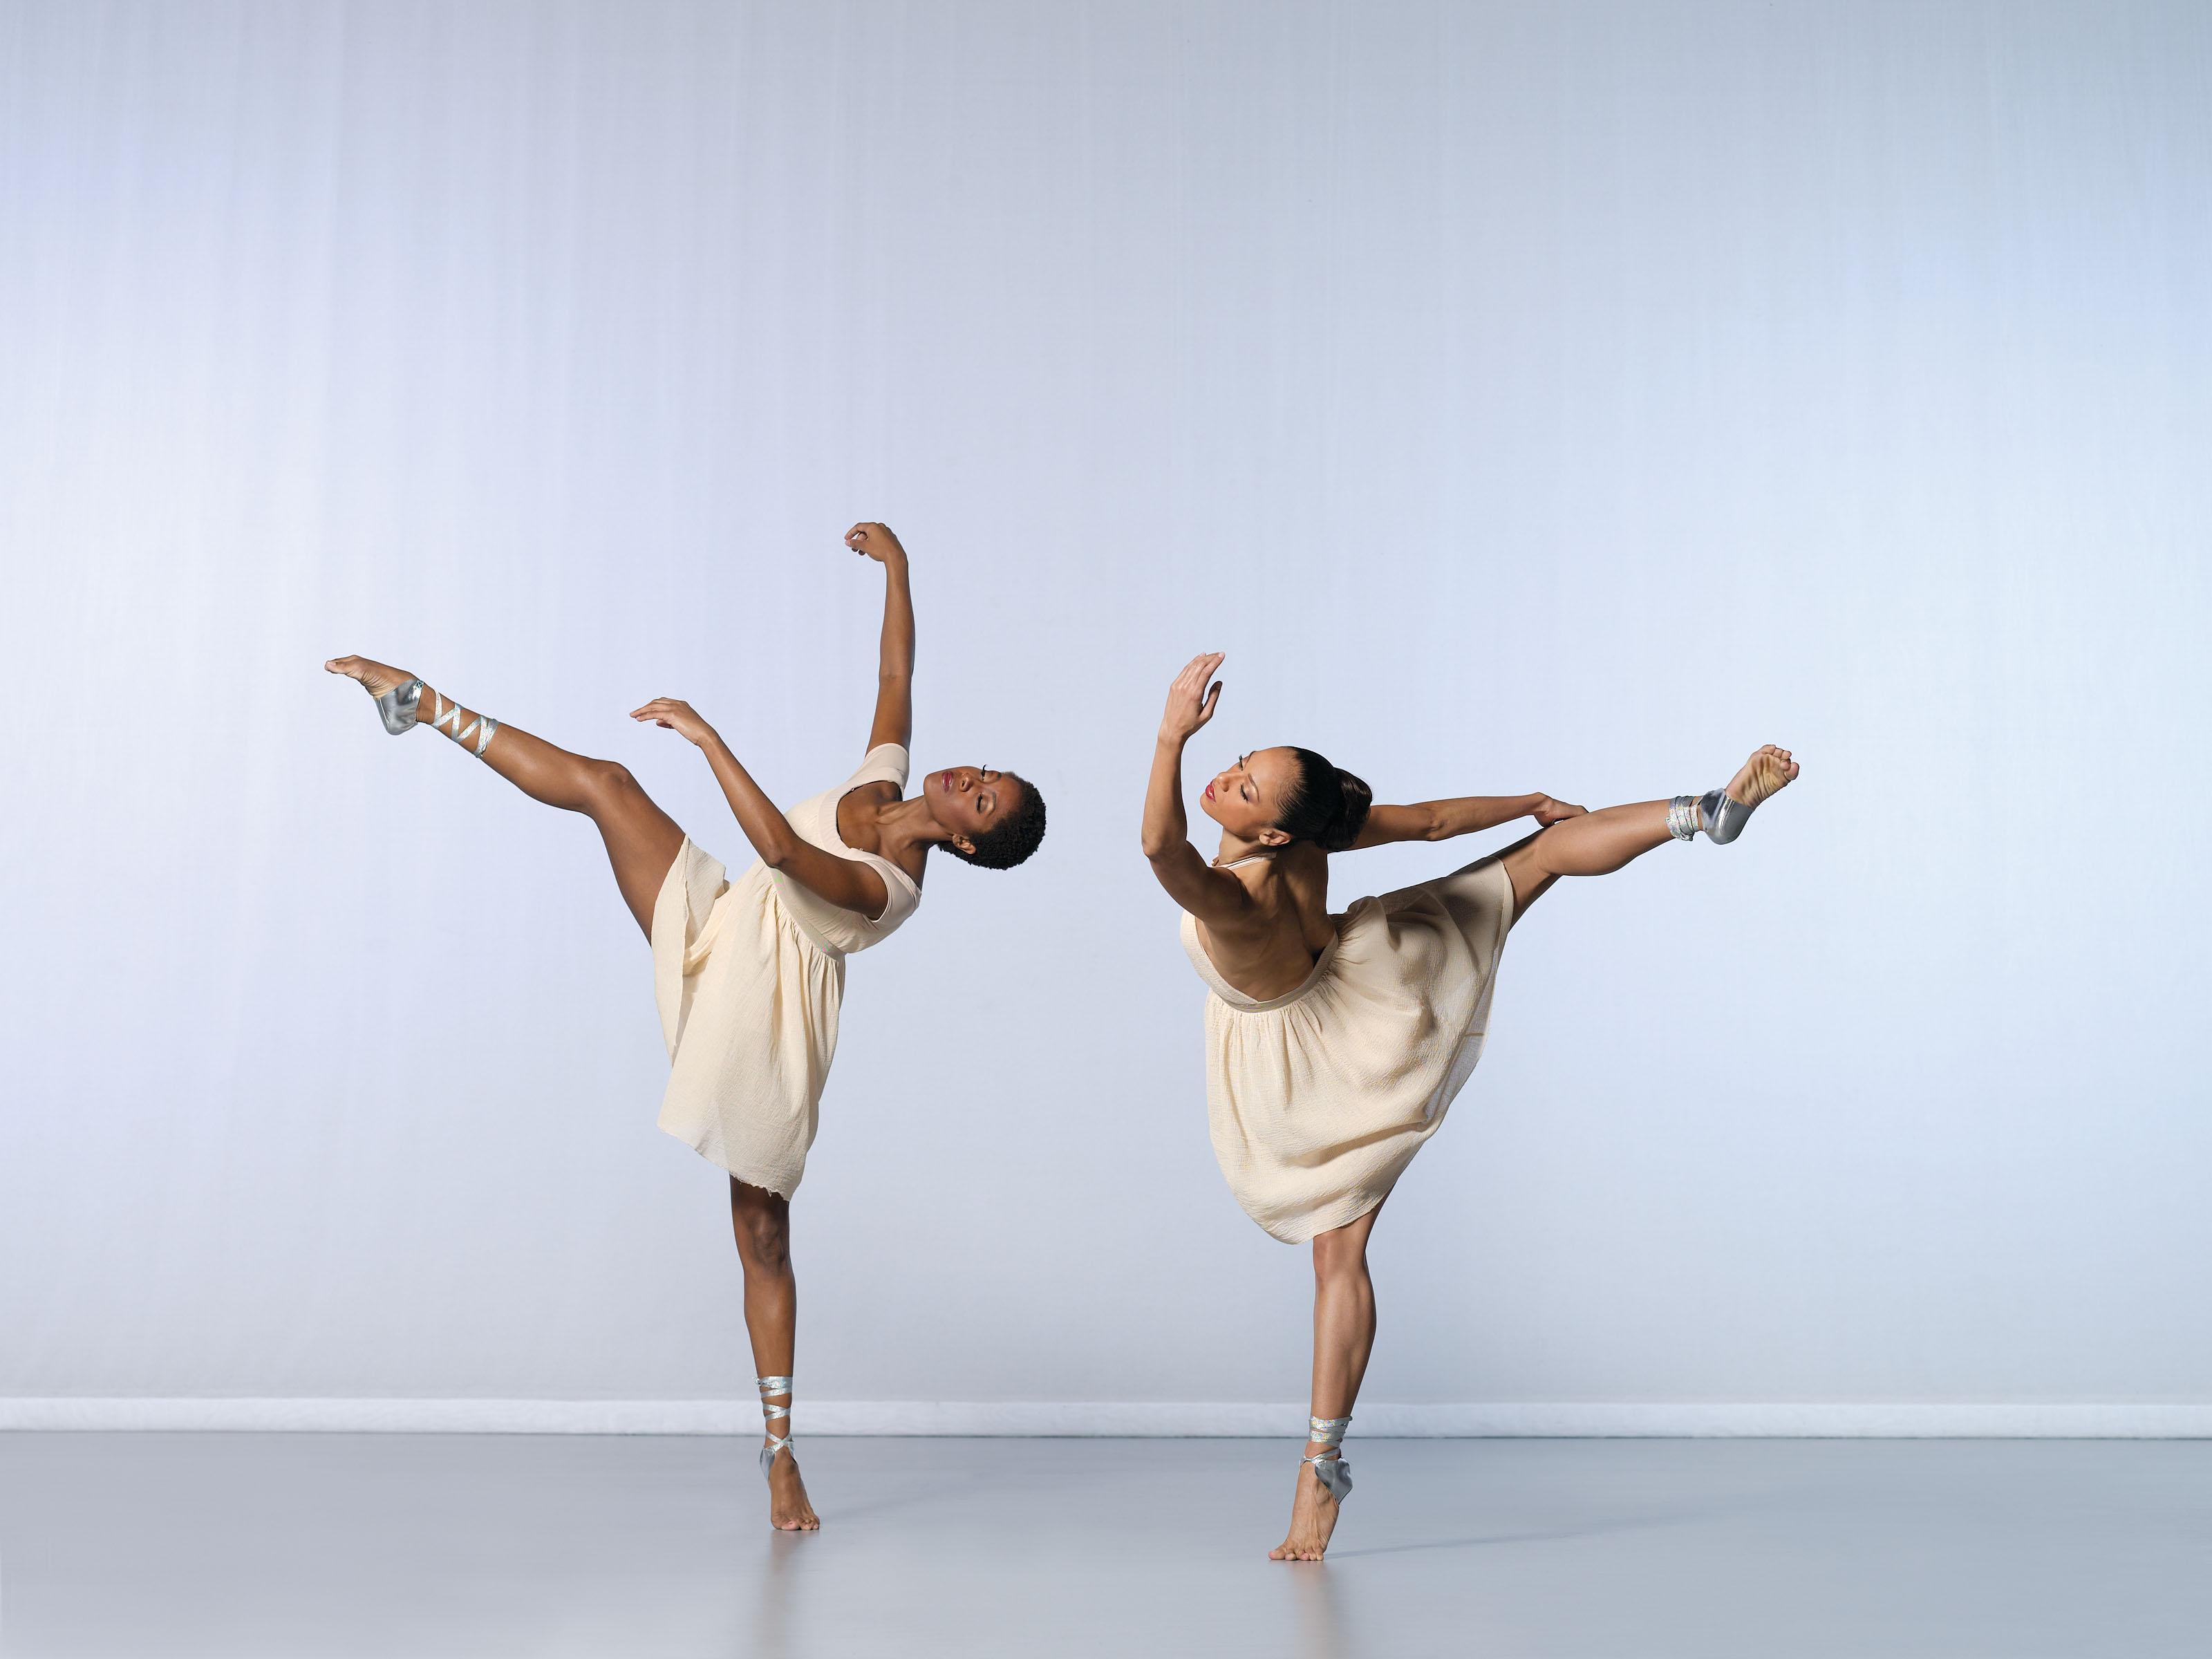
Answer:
(1683, 820)
(772, 1413)
(448, 721)
(1329, 1466)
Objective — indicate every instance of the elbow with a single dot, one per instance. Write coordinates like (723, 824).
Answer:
(779, 854)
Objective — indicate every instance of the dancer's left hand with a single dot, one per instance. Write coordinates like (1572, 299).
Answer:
(679, 716)
(1549, 811)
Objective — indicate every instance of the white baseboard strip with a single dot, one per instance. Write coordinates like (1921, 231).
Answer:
(2088, 1420)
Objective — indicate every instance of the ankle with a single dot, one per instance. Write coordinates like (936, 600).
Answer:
(1326, 1434)
(775, 1397)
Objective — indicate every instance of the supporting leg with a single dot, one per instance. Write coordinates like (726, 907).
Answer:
(761, 1221)
(1344, 1336)
(642, 840)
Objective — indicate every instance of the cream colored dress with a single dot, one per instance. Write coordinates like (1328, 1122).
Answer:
(749, 976)
(1318, 1100)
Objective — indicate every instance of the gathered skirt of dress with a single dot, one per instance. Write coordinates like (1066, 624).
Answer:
(748, 1004)
(1318, 1100)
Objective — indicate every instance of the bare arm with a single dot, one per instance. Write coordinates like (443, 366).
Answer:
(847, 883)
(1214, 897)
(894, 720)
(1460, 815)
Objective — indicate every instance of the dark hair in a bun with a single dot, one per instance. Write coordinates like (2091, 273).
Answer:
(1327, 806)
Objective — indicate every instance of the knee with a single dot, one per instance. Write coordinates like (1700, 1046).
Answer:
(608, 780)
(1337, 1260)
(764, 1238)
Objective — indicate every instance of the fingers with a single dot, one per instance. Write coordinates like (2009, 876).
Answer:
(1199, 669)
(1206, 709)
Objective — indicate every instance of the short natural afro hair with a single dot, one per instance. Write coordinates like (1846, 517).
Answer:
(1013, 837)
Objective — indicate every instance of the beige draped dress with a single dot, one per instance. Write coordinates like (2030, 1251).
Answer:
(749, 976)
(1318, 1100)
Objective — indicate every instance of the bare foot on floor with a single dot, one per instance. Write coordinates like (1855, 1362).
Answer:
(787, 1508)
(376, 678)
(1767, 771)
(1313, 1518)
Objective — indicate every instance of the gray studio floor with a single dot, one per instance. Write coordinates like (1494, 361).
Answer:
(302, 1545)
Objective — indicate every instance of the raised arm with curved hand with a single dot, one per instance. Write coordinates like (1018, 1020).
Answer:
(1214, 897)
(894, 720)
(1460, 815)
(846, 883)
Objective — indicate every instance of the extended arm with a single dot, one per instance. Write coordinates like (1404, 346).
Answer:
(894, 720)
(1214, 897)
(846, 883)
(1460, 815)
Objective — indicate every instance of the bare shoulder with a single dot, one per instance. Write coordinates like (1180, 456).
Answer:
(1284, 890)
(1303, 872)
(857, 810)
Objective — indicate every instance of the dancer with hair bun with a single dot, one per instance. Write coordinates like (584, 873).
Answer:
(1335, 1043)
(750, 973)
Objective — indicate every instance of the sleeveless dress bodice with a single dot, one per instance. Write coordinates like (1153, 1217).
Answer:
(1317, 1100)
(749, 976)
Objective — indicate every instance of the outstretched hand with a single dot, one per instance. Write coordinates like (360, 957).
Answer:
(678, 716)
(1549, 811)
(876, 541)
(1190, 700)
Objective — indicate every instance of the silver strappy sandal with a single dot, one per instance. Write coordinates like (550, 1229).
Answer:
(1718, 813)
(777, 1443)
(396, 707)
(1328, 1466)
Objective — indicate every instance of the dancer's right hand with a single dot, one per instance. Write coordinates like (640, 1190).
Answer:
(1190, 703)
(876, 541)
(678, 716)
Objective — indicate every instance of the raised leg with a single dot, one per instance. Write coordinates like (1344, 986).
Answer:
(1344, 1336)
(1598, 843)
(762, 1222)
(642, 840)
(1595, 844)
